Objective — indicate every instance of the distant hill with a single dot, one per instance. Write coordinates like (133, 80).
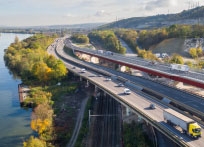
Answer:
(51, 28)
(192, 16)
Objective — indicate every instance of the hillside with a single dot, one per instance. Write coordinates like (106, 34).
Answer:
(192, 16)
(169, 46)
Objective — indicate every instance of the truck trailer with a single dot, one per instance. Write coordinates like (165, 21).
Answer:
(179, 67)
(188, 125)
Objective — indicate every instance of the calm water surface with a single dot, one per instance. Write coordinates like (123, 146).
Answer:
(14, 121)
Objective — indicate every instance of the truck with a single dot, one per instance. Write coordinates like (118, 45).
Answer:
(179, 67)
(188, 125)
(100, 51)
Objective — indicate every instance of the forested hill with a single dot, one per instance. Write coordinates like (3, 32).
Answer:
(192, 16)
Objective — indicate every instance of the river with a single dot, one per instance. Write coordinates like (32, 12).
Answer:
(14, 121)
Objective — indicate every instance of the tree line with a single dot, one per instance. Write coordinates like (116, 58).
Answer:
(148, 38)
(108, 40)
(29, 60)
(80, 38)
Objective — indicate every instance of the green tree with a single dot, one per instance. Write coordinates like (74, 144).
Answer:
(80, 38)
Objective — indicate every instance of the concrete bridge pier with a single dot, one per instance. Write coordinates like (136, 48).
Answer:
(80, 78)
(128, 111)
(94, 59)
(87, 83)
(121, 68)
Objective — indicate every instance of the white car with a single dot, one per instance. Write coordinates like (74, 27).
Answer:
(108, 79)
(120, 85)
(83, 70)
(127, 91)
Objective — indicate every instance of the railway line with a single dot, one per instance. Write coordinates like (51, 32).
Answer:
(106, 123)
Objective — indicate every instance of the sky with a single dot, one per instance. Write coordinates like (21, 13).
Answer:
(67, 12)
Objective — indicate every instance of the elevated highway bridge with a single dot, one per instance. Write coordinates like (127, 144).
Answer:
(136, 101)
(191, 77)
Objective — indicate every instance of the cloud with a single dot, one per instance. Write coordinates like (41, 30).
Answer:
(154, 4)
(100, 13)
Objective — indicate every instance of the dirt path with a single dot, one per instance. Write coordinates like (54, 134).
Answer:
(78, 123)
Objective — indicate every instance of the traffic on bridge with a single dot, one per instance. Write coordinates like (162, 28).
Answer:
(173, 71)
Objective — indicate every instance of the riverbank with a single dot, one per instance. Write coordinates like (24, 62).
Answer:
(15, 121)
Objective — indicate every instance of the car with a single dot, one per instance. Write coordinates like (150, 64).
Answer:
(108, 79)
(120, 85)
(73, 67)
(127, 91)
(152, 106)
(99, 75)
(83, 70)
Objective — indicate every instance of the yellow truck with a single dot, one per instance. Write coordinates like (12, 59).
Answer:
(188, 125)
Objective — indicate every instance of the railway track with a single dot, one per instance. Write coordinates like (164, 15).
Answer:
(106, 125)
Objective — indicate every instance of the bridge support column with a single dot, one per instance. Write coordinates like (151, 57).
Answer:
(121, 68)
(94, 59)
(87, 83)
(80, 78)
(104, 93)
(128, 111)
(96, 88)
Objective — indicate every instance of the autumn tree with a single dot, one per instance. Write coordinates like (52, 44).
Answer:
(146, 54)
(196, 52)
(42, 71)
(176, 59)
(193, 52)
(34, 142)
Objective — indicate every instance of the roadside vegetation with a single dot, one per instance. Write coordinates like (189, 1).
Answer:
(47, 79)
(83, 133)
(129, 36)
(143, 43)
(133, 136)
(80, 38)
(108, 40)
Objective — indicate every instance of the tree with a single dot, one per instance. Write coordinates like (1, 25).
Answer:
(199, 51)
(176, 59)
(34, 142)
(42, 71)
(41, 126)
(196, 52)
(193, 52)
(16, 40)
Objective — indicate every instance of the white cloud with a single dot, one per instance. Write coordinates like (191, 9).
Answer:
(100, 13)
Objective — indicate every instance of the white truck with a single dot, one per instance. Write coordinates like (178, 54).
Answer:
(100, 51)
(179, 67)
(188, 125)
